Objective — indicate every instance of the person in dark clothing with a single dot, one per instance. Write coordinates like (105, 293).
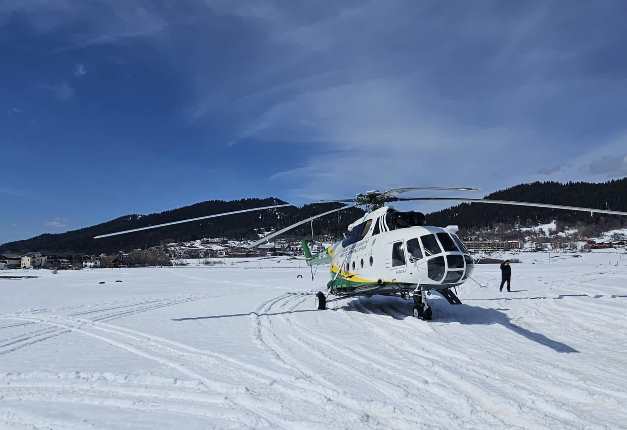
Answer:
(506, 275)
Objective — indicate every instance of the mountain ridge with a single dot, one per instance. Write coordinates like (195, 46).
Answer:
(471, 217)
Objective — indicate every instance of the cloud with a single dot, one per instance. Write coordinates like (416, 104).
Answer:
(380, 93)
(11, 192)
(610, 166)
(62, 91)
(102, 22)
(548, 171)
(57, 223)
(446, 96)
(80, 70)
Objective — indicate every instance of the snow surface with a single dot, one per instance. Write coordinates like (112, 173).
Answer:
(239, 345)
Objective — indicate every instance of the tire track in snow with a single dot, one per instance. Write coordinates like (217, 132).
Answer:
(174, 361)
(392, 415)
(331, 396)
(345, 362)
(452, 381)
(456, 373)
(288, 388)
(26, 339)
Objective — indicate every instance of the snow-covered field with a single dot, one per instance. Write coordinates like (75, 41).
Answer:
(239, 345)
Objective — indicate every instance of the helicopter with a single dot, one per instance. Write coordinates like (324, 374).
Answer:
(389, 252)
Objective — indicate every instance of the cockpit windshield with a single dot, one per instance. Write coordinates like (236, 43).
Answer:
(447, 242)
(430, 244)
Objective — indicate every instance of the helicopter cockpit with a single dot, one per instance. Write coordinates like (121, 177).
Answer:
(446, 257)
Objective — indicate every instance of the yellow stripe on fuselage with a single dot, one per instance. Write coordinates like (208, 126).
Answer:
(353, 277)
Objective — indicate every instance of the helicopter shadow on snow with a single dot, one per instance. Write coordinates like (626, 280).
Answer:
(444, 313)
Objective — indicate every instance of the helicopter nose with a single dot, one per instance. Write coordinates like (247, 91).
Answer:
(457, 268)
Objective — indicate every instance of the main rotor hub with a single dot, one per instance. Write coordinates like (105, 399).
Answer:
(373, 199)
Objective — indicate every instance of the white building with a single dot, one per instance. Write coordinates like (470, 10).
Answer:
(27, 262)
(33, 261)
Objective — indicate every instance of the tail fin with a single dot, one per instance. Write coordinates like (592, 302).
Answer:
(314, 260)
(306, 250)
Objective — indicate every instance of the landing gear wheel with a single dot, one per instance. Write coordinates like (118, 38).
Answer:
(427, 314)
(322, 301)
(424, 314)
(417, 312)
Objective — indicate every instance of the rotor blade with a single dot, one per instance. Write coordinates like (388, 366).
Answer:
(335, 201)
(408, 189)
(190, 220)
(290, 227)
(511, 203)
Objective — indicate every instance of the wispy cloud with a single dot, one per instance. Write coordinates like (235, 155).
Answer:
(57, 223)
(11, 192)
(610, 166)
(378, 93)
(62, 91)
(80, 70)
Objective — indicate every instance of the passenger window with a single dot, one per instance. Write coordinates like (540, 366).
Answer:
(447, 242)
(398, 254)
(362, 263)
(371, 260)
(413, 249)
(430, 244)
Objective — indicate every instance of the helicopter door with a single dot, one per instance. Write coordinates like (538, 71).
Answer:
(414, 252)
(399, 264)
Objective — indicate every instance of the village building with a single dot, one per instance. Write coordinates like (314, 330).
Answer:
(493, 245)
(10, 262)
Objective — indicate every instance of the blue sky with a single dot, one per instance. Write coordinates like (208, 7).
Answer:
(116, 107)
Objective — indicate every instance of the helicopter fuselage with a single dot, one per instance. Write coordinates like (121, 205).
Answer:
(387, 256)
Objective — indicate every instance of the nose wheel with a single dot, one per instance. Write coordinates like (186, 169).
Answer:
(421, 309)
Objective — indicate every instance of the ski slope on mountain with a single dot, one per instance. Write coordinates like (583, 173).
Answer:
(239, 345)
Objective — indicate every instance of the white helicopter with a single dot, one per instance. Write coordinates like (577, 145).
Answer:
(388, 252)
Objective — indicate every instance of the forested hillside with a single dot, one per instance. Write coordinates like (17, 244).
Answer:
(608, 195)
(241, 226)
(470, 217)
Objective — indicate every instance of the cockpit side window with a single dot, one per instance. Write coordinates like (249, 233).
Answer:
(376, 227)
(430, 244)
(460, 244)
(398, 254)
(447, 242)
(366, 229)
(355, 235)
(413, 249)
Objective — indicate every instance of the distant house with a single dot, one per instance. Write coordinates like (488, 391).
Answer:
(33, 260)
(493, 245)
(111, 261)
(58, 262)
(26, 262)
(10, 262)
